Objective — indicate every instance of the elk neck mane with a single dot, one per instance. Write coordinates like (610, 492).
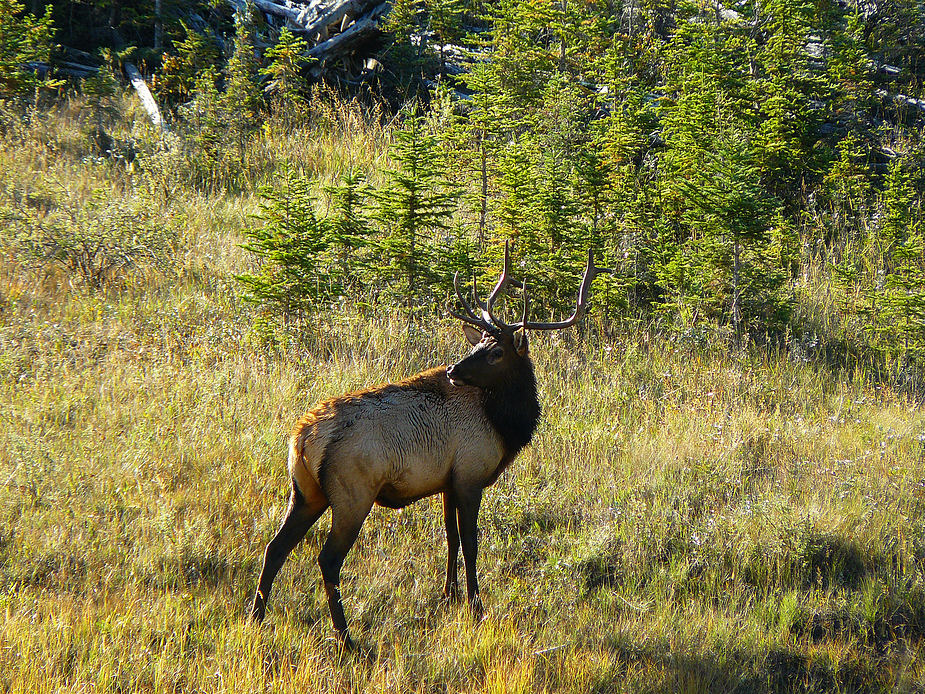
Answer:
(513, 408)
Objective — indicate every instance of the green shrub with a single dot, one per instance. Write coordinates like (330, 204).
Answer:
(98, 243)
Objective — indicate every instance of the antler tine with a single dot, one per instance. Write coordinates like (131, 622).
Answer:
(503, 281)
(505, 276)
(590, 273)
(523, 319)
(470, 316)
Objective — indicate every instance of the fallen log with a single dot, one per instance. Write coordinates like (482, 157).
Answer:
(339, 44)
(333, 14)
(144, 95)
(331, 27)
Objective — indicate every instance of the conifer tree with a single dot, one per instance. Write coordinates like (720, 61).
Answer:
(24, 39)
(403, 25)
(446, 21)
(294, 278)
(517, 198)
(287, 60)
(414, 206)
(845, 192)
(849, 72)
(241, 101)
(100, 90)
(786, 85)
(350, 233)
(177, 78)
(716, 182)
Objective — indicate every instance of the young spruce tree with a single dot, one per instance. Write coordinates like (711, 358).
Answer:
(294, 277)
(414, 207)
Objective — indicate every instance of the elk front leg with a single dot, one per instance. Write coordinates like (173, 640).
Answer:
(300, 516)
(451, 587)
(468, 503)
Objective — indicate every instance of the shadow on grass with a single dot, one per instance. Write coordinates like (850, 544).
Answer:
(207, 570)
(806, 559)
(900, 619)
(735, 671)
(879, 621)
(56, 572)
(831, 561)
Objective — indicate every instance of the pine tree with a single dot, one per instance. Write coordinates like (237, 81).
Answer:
(24, 38)
(286, 86)
(241, 101)
(446, 21)
(415, 205)
(849, 71)
(785, 122)
(407, 43)
(101, 89)
(896, 302)
(350, 233)
(295, 278)
(716, 183)
(176, 80)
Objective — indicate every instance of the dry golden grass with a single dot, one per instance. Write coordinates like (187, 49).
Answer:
(686, 519)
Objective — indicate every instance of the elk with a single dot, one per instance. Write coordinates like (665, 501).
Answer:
(450, 430)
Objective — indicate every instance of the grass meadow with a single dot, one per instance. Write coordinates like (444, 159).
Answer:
(686, 520)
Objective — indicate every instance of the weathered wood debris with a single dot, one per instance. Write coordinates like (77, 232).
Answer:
(333, 28)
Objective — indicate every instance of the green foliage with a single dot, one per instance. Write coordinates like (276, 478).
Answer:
(350, 232)
(771, 497)
(403, 22)
(177, 78)
(446, 19)
(284, 69)
(97, 243)
(897, 299)
(101, 89)
(850, 73)
(296, 275)
(241, 101)
(723, 160)
(24, 38)
(414, 210)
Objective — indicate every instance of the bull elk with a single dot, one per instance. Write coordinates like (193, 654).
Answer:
(450, 430)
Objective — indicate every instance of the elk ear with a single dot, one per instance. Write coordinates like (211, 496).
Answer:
(520, 341)
(474, 335)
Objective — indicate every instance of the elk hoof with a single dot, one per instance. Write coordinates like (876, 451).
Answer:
(346, 643)
(451, 593)
(476, 607)
(258, 612)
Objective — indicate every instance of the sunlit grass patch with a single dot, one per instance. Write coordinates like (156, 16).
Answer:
(686, 518)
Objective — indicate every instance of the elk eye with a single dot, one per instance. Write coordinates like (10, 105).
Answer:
(495, 355)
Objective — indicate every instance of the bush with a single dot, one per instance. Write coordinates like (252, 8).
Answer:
(97, 242)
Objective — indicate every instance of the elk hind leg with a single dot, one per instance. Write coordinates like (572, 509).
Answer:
(346, 521)
(301, 515)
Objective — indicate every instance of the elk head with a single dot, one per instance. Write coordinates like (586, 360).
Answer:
(500, 349)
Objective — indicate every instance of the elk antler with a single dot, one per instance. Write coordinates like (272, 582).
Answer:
(470, 315)
(591, 271)
(489, 322)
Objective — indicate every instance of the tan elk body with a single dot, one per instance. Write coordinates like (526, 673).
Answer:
(448, 430)
(405, 439)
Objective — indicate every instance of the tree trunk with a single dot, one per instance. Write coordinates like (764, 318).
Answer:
(158, 24)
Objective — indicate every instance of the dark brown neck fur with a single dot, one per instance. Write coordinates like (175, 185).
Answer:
(513, 408)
